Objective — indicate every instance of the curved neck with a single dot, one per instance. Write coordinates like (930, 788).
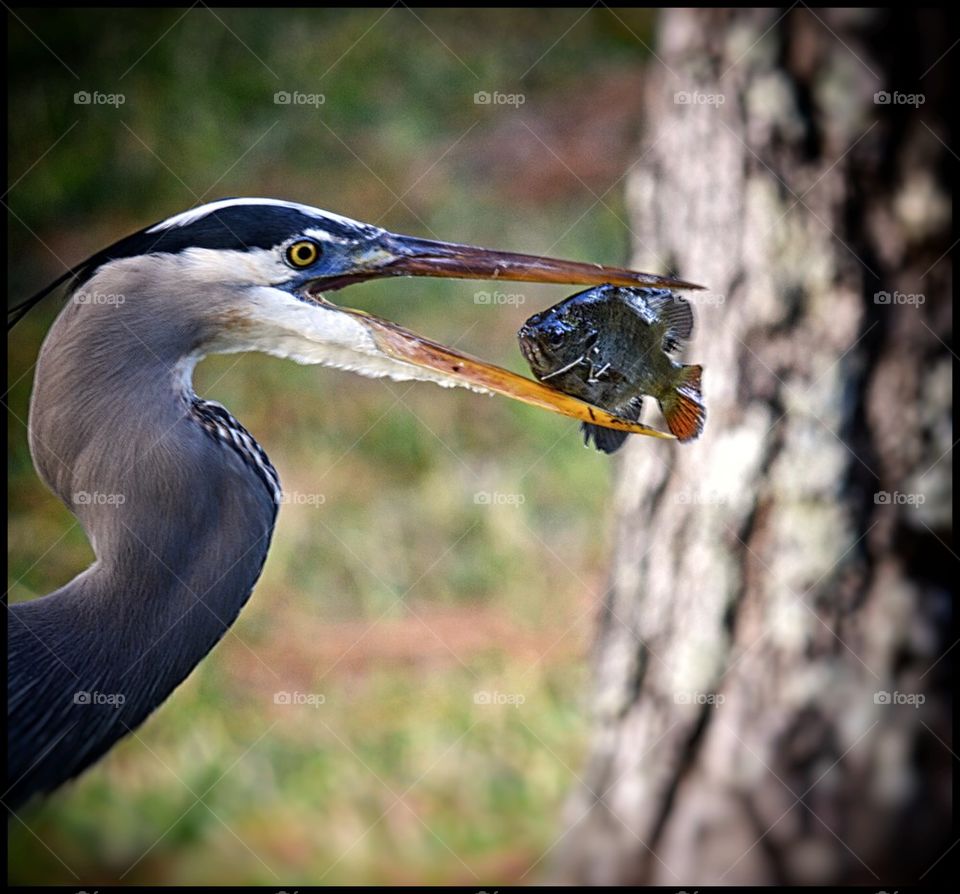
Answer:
(180, 523)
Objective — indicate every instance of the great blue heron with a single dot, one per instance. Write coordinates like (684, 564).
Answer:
(176, 497)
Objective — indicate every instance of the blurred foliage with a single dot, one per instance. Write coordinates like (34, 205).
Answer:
(390, 589)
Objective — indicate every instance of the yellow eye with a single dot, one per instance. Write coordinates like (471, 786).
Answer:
(303, 253)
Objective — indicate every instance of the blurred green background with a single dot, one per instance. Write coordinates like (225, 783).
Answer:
(390, 590)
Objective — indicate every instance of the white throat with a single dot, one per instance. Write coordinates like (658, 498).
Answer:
(275, 322)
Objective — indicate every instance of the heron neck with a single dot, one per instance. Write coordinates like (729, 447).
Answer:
(180, 526)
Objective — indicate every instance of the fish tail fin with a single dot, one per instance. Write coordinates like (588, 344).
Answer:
(683, 406)
(609, 440)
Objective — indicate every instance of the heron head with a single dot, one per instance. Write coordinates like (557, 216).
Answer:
(256, 274)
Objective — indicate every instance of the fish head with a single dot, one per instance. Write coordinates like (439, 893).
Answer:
(562, 336)
(556, 339)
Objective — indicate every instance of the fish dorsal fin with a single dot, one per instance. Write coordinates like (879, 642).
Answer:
(675, 312)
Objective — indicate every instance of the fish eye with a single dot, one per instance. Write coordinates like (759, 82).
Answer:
(302, 253)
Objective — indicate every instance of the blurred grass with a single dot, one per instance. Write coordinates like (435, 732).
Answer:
(389, 590)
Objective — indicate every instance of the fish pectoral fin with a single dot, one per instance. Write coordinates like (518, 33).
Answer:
(571, 365)
(595, 377)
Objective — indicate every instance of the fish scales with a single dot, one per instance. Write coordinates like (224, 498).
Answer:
(611, 346)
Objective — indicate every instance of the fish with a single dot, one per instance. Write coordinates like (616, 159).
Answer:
(611, 346)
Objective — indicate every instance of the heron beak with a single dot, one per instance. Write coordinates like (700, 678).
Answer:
(457, 368)
(395, 255)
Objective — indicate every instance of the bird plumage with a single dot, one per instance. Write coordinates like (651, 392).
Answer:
(176, 498)
(181, 532)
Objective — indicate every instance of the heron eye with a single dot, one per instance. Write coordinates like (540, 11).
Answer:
(303, 253)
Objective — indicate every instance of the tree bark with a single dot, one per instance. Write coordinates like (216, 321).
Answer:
(765, 594)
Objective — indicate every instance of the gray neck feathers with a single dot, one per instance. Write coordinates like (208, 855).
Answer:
(180, 521)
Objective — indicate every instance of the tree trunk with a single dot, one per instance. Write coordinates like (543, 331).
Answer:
(771, 664)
